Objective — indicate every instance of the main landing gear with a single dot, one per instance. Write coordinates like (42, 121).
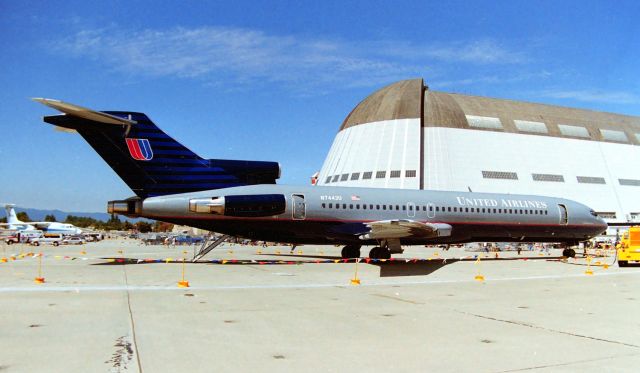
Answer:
(380, 253)
(351, 251)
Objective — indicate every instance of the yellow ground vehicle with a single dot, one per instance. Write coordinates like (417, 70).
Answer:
(629, 247)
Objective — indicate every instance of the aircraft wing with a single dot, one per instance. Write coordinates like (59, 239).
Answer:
(402, 228)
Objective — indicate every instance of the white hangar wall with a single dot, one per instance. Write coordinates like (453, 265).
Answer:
(366, 155)
(408, 137)
(458, 159)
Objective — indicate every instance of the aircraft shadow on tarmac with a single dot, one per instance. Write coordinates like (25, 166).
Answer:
(393, 268)
(390, 268)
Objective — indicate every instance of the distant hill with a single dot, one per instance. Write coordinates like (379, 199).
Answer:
(38, 215)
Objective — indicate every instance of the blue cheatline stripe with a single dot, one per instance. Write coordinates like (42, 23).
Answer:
(185, 177)
(171, 152)
(178, 161)
(187, 186)
(164, 169)
(150, 135)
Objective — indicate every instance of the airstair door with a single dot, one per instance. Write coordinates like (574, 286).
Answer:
(299, 207)
(564, 216)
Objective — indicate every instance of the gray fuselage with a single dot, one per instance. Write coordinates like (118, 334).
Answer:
(339, 215)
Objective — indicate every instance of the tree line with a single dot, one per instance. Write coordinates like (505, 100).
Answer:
(113, 224)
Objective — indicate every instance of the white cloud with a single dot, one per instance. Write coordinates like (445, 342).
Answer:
(236, 56)
(598, 96)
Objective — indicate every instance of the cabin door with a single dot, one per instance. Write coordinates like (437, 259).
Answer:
(299, 210)
(564, 216)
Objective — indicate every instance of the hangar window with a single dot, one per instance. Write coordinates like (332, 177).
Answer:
(484, 122)
(344, 177)
(367, 175)
(629, 182)
(606, 215)
(410, 173)
(612, 135)
(335, 178)
(395, 173)
(355, 176)
(548, 177)
(590, 180)
(575, 131)
(499, 175)
(328, 180)
(381, 174)
(528, 126)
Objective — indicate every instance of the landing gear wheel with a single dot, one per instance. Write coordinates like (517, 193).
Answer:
(350, 251)
(9, 242)
(622, 263)
(569, 253)
(379, 253)
(55, 243)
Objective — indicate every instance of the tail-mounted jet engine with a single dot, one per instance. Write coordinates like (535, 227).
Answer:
(241, 205)
(131, 207)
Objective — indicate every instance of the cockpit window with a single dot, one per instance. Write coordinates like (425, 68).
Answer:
(592, 212)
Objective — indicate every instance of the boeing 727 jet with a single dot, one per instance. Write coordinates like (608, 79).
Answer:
(241, 198)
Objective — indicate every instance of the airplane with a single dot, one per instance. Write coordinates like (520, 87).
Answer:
(45, 226)
(241, 198)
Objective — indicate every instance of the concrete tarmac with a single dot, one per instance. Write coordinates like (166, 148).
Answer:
(95, 315)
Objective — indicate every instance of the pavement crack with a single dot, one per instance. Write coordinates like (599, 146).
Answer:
(396, 298)
(520, 323)
(568, 363)
(133, 325)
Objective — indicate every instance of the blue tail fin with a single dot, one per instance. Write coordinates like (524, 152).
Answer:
(149, 161)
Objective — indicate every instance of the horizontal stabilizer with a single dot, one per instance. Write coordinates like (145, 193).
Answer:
(82, 112)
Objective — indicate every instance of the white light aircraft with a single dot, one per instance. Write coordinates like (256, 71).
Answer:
(46, 226)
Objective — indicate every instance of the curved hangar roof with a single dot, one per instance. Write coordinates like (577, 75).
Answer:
(413, 99)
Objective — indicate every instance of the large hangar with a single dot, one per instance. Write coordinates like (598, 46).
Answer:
(408, 136)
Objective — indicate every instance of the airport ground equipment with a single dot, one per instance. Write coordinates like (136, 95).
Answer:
(207, 247)
(629, 247)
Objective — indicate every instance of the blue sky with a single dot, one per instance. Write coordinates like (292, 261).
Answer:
(270, 80)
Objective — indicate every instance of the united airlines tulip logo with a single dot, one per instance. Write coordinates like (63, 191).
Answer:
(140, 149)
